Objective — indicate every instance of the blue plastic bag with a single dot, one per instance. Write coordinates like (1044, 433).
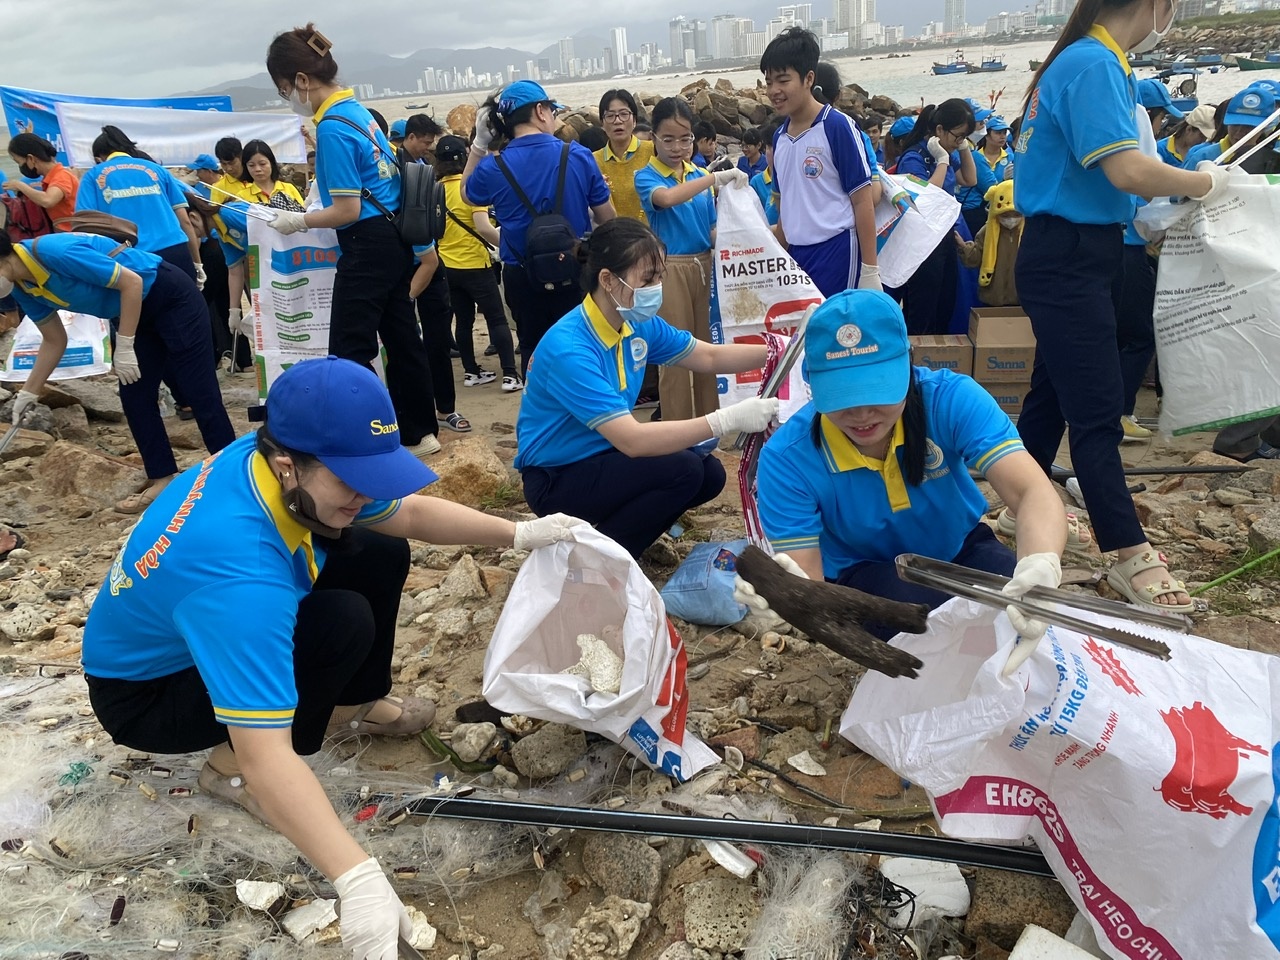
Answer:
(701, 589)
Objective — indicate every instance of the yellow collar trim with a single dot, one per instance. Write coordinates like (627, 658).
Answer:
(666, 171)
(118, 153)
(332, 99)
(40, 275)
(843, 456)
(1225, 142)
(1172, 144)
(611, 338)
(1103, 36)
(267, 489)
(768, 175)
(632, 147)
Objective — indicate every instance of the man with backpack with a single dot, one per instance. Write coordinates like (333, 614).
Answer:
(544, 193)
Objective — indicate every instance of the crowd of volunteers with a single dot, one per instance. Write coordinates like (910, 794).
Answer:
(602, 254)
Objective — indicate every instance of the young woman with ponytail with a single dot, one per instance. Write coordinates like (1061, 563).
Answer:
(1079, 169)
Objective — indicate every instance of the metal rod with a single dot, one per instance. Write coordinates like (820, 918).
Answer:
(1014, 859)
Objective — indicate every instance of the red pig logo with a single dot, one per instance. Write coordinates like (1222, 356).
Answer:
(1206, 762)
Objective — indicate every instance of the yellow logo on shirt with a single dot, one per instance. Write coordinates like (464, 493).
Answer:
(379, 429)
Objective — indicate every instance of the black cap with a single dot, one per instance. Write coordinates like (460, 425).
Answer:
(451, 148)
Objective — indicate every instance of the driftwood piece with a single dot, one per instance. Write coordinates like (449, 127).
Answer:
(832, 615)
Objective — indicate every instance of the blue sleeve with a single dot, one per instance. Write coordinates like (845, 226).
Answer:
(480, 184)
(870, 151)
(377, 511)
(1096, 112)
(912, 163)
(339, 173)
(973, 423)
(582, 388)
(230, 252)
(421, 250)
(789, 509)
(80, 260)
(597, 186)
(37, 310)
(848, 152)
(667, 345)
(986, 176)
(648, 180)
(249, 674)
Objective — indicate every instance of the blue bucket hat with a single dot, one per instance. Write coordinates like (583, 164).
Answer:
(1154, 95)
(1250, 107)
(856, 352)
(521, 94)
(204, 162)
(339, 412)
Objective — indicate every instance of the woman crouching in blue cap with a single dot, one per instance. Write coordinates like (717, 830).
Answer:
(253, 611)
(878, 465)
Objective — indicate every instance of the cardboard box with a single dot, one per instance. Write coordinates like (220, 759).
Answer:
(949, 351)
(1009, 395)
(1004, 348)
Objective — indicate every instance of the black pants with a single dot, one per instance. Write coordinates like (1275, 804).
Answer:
(930, 294)
(172, 344)
(634, 500)
(371, 300)
(534, 309)
(469, 289)
(435, 313)
(1066, 282)
(1135, 322)
(342, 645)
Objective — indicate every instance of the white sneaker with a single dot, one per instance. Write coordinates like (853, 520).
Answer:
(425, 448)
(512, 384)
(478, 379)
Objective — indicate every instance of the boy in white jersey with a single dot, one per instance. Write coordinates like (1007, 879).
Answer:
(822, 171)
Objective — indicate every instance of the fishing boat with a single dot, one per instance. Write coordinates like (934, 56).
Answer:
(988, 65)
(1270, 61)
(1182, 88)
(957, 64)
(1205, 57)
(1034, 64)
(417, 106)
(1142, 60)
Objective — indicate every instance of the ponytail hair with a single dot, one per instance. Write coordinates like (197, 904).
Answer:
(826, 82)
(1077, 27)
(617, 245)
(113, 140)
(25, 144)
(948, 114)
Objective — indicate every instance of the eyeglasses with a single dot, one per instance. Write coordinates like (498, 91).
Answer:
(960, 135)
(673, 141)
(623, 115)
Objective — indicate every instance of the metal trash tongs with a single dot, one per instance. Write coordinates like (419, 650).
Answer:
(984, 588)
(795, 346)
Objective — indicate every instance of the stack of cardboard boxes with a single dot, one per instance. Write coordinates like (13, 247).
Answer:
(999, 353)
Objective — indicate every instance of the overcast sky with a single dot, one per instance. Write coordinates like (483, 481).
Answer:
(150, 48)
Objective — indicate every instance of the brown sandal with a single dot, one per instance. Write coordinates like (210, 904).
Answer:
(136, 503)
(416, 714)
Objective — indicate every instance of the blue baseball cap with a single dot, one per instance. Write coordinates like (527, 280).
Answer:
(521, 94)
(856, 352)
(996, 124)
(1267, 84)
(204, 162)
(902, 126)
(1154, 95)
(397, 130)
(1250, 107)
(339, 412)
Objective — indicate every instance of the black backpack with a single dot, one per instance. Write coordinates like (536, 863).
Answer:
(421, 217)
(549, 243)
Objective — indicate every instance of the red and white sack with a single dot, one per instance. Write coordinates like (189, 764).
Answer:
(581, 586)
(1149, 786)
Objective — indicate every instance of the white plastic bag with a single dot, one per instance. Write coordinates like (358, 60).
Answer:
(1217, 310)
(1148, 785)
(912, 217)
(758, 287)
(581, 586)
(88, 350)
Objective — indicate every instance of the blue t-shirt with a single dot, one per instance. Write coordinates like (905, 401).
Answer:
(211, 577)
(1205, 151)
(78, 272)
(231, 229)
(1082, 111)
(140, 191)
(534, 161)
(751, 169)
(988, 176)
(582, 375)
(1167, 148)
(762, 184)
(854, 509)
(686, 227)
(350, 160)
(918, 162)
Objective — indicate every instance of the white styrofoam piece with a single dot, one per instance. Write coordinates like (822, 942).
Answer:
(300, 923)
(730, 857)
(1037, 943)
(259, 894)
(424, 934)
(805, 763)
(940, 889)
(1080, 934)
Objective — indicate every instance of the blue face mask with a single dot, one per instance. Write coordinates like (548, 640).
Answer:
(645, 303)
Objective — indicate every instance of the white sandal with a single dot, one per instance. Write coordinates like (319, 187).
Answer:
(1078, 537)
(1120, 577)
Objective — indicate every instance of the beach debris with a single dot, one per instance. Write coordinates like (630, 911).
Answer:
(423, 936)
(940, 890)
(601, 667)
(259, 894)
(306, 919)
(805, 763)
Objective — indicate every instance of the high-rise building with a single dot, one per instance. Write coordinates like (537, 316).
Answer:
(678, 29)
(429, 80)
(618, 44)
(699, 30)
(720, 38)
(953, 14)
(851, 14)
(364, 91)
(531, 71)
(894, 34)
(565, 49)
(798, 13)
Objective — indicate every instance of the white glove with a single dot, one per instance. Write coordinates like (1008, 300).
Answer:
(1221, 180)
(201, 279)
(752, 415)
(745, 594)
(124, 362)
(22, 403)
(966, 144)
(1035, 570)
(937, 151)
(730, 178)
(869, 277)
(531, 534)
(373, 918)
(237, 324)
(289, 221)
(484, 135)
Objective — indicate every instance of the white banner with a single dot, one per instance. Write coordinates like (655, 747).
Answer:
(174, 138)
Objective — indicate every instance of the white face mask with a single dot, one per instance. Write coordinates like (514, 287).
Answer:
(979, 132)
(1152, 39)
(299, 104)
(1009, 223)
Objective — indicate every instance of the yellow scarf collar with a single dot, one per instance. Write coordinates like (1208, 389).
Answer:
(843, 455)
(1103, 36)
(335, 97)
(39, 274)
(294, 534)
(666, 171)
(611, 338)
